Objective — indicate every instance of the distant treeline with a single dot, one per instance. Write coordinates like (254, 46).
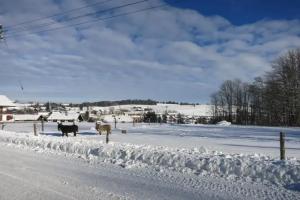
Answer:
(273, 99)
(54, 105)
(128, 102)
(116, 103)
(180, 103)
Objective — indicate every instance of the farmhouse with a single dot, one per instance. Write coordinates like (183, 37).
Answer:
(5, 103)
(118, 118)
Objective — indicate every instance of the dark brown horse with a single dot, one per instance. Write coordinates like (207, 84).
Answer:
(65, 129)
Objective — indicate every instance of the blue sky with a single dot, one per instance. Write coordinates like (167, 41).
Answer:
(240, 12)
(181, 52)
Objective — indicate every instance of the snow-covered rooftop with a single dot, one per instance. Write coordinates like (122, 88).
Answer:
(26, 117)
(5, 102)
(64, 116)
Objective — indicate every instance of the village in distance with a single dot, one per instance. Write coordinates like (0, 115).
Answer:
(126, 111)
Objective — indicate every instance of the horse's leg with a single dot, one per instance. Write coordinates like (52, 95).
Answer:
(62, 134)
(74, 133)
(67, 134)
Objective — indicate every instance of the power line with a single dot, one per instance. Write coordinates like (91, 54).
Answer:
(58, 14)
(77, 17)
(95, 20)
(81, 16)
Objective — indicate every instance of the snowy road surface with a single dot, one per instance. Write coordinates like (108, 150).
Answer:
(29, 175)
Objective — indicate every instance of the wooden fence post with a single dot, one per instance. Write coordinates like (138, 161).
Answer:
(282, 147)
(34, 129)
(42, 124)
(107, 137)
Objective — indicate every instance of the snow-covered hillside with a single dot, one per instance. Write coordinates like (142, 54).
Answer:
(190, 110)
(228, 139)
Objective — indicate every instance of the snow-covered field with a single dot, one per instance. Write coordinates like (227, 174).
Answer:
(226, 139)
(233, 154)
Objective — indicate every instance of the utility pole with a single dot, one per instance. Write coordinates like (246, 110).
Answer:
(1, 33)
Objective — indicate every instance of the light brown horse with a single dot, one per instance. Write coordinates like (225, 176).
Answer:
(105, 127)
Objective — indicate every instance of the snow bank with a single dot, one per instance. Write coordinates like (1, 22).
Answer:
(224, 123)
(197, 161)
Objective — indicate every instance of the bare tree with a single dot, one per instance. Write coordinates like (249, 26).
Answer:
(271, 100)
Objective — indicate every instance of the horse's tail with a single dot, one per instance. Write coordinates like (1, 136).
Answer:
(76, 128)
(58, 126)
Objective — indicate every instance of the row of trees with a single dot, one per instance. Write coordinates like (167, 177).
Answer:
(116, 103)
(273, 99)
(152, 117)
(129, 102)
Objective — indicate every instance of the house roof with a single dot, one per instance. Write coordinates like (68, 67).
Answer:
(63, 116)
(5, 102)
(27, 117)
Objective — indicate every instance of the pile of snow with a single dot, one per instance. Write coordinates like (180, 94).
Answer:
(197, 160)
(224, 123)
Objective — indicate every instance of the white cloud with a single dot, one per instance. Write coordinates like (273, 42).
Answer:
(166, 54)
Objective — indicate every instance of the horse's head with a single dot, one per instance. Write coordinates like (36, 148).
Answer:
(98, 124)
(59, 125)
